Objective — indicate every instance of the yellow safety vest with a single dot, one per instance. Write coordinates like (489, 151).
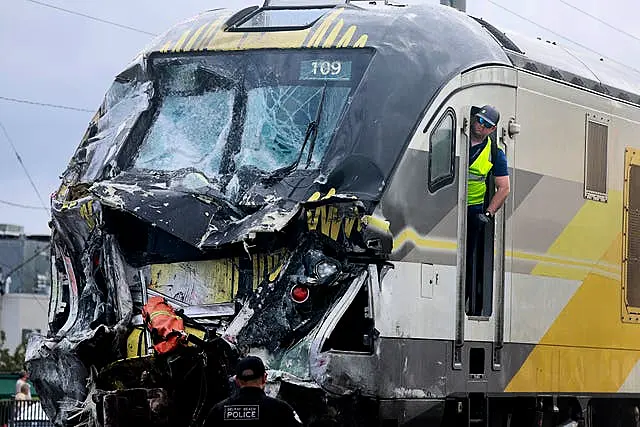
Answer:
(478, 172)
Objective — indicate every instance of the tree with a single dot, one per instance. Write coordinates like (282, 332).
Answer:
(11, 363)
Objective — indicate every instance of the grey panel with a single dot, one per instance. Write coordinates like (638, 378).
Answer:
(408, 202)
(521, 266)
(544, 213)
(448, 227)
(420, 368)
(523, 182)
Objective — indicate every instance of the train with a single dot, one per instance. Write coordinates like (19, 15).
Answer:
(289, 180)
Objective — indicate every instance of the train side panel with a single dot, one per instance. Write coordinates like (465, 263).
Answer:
(567, 287)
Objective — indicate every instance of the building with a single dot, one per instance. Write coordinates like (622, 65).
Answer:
(25, 283)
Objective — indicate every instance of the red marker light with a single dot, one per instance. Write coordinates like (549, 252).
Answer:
(299, 294)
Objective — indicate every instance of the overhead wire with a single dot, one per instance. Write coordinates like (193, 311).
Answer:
(84, 15)
(600, 20)
(20, 205)
(24, 167)
(44, 104)
(561, 36)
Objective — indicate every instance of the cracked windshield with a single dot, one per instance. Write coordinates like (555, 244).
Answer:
(267, 110)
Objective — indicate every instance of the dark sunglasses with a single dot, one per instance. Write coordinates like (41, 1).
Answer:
(484, 123)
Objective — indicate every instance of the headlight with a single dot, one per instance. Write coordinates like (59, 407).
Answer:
(325, 269)
(320, 269)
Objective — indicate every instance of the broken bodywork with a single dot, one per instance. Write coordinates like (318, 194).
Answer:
(275, 275)
(248, 268)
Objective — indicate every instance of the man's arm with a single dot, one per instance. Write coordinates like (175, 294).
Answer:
(501, 174)
(503, 189)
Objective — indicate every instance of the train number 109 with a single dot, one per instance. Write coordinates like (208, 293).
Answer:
(326, 68)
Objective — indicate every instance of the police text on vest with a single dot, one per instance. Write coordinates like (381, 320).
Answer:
(242, 412)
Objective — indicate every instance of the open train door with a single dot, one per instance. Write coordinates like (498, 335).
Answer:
(480, 310)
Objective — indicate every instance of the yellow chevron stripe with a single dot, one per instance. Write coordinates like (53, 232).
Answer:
(590, 233)
(322, 29)
(333, 35)
(181, 40)
(554, 266)
(194, 37)
(205, 39)
(346, 37)
(551, 369)
(411, 235)
(587, 348)
(165, 47)
(361, 41)
(211, 36)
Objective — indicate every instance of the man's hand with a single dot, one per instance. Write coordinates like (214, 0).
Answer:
(484, 218)
(502, 191)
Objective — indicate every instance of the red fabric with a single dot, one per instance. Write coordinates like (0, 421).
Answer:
(164, 323)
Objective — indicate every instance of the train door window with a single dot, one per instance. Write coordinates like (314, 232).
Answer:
(480, 247)
(442, 152)
(595, 162)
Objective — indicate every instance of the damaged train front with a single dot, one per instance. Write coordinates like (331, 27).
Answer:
(207, 215)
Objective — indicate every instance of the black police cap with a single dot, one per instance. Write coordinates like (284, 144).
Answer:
(250, 368)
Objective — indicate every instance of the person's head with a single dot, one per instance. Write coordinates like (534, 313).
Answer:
(24, 375)
(484, 121)
(24, 388)
(250, 372)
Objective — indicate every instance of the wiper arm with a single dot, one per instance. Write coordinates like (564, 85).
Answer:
(315, 127)
(311, 134)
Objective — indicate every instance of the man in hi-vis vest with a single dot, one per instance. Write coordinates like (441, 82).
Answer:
(484, 157)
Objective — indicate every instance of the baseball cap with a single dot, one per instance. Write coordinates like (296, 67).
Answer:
(489, 113)
(249, 368)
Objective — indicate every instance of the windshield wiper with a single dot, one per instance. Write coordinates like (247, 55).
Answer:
(311, 134)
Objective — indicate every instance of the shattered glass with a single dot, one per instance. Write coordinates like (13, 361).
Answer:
(218, 114)
(277, 120)
(188, 132)
(126, 102)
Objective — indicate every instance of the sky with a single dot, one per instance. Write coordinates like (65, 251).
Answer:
(50, 56)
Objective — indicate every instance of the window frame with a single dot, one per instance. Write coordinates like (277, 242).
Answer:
(436, 184)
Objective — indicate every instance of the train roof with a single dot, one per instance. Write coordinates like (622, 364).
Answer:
(349, 23)
(411, 29)
(574, 66)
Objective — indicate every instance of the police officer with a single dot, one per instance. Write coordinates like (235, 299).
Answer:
(483, 159)
(250, 406)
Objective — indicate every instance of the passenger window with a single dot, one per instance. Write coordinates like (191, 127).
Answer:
(442, 152)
